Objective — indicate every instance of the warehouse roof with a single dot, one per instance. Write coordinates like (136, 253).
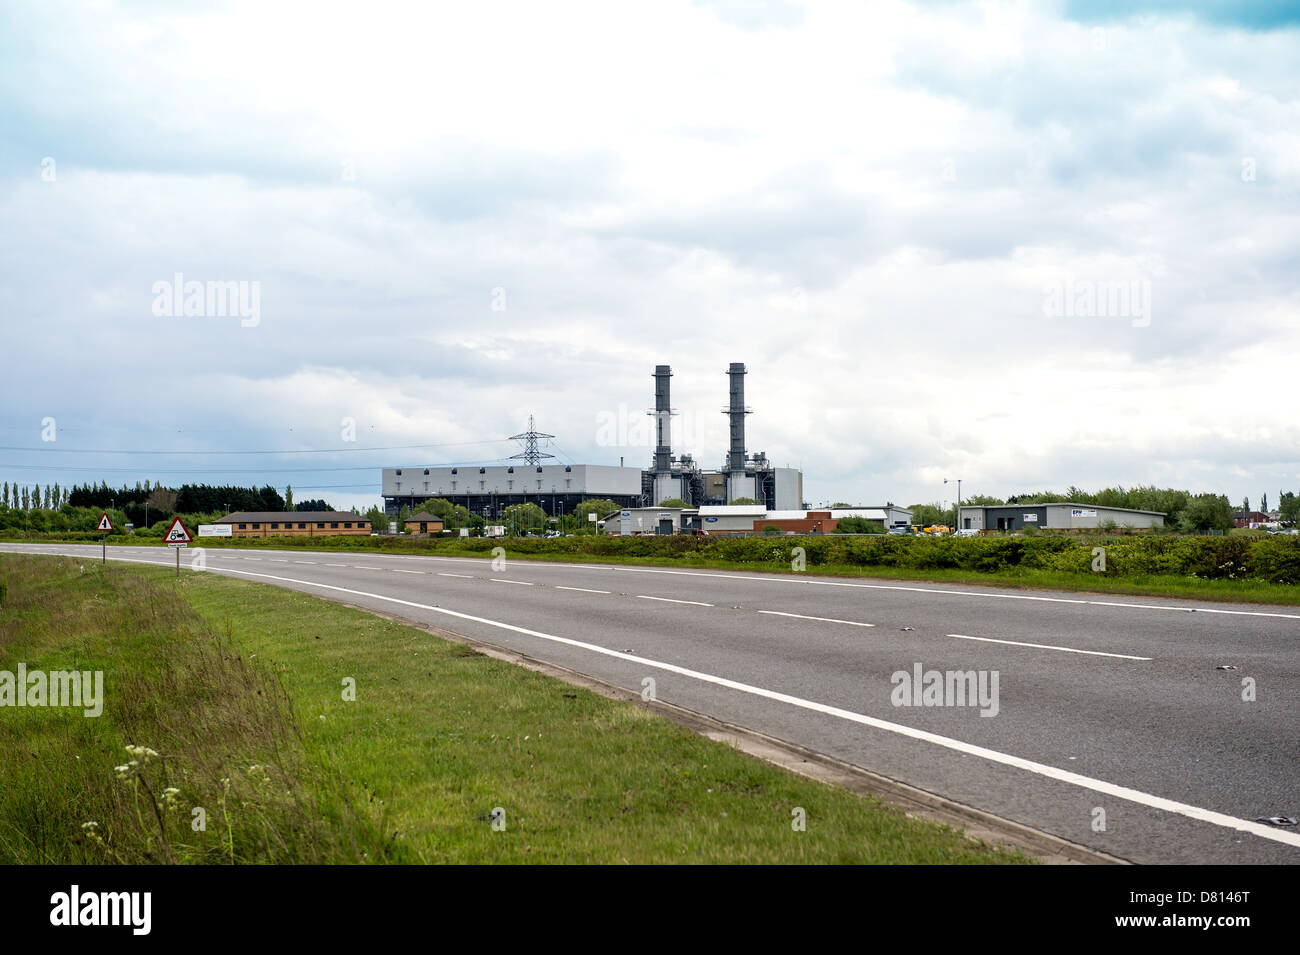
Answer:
(1095, 507)
(277, 516)
(424, 517)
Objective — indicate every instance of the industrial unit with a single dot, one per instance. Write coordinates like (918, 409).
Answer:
(1062, 515)
(558, 489)
(723, 520)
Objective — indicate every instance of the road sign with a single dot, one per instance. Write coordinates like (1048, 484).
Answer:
(177, 535)
(105, 524)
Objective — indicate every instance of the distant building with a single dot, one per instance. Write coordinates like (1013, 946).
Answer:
(721, 520)
(1061, 515)
(423, 523)
(294, 523)
(1250, 519)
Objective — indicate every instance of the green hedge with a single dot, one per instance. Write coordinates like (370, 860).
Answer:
(1272, 559)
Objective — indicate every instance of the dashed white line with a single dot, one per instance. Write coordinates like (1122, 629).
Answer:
(398, 570)
(1045, 646)
(502, 580)
(466, 576)
(670, 600)
(584, 590)
(360, 567)
(336, 565)
(277, 560)
(851, 623)
(305, 562)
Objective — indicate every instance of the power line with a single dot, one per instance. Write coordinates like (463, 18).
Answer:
(178, 451)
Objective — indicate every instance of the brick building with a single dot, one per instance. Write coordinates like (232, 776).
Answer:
(295, 523)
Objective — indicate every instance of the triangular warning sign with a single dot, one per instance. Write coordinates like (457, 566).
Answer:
(177, 534)
(104, 523)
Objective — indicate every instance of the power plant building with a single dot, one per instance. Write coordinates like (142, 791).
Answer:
(557, 488)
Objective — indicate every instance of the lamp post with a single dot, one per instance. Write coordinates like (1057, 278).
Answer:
(957, 519)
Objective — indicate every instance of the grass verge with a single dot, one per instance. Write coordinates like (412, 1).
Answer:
(218, 676)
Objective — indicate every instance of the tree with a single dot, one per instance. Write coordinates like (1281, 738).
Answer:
(839, 504)
(26, 498)
(1245, 504)
(1207, 512)
(1289, 505)
(746, 500)
(926, 514)
(1263, 503)
(578, 522)
(288, 497)
(5, 499)
(377, 518)
(524, 518)
(673, 502)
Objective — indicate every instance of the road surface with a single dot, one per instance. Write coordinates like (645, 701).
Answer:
(1111, 712)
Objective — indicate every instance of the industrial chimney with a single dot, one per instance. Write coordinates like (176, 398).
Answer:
(737, 412)
(663, 419)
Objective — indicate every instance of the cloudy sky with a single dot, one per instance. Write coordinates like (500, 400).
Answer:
(1023, 244)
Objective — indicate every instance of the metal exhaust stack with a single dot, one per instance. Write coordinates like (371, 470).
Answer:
(737, 412)
(663, 419)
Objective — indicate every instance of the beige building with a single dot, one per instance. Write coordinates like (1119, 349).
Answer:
(295, 523)
(423, 523)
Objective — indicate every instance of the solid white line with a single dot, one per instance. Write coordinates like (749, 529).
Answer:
(582, 589)
(1045, 646)
(502, 580)
(1005, 759)
(669, 600)
(851, 623)
(466, 576)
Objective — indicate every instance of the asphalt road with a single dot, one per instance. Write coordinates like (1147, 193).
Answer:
(1104, 705)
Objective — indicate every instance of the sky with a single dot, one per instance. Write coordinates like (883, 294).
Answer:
(1027, 245)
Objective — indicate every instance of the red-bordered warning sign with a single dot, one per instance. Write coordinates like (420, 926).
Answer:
(104, 523)
(177, 534)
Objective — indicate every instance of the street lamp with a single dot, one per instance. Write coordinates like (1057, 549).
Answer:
(958, 480)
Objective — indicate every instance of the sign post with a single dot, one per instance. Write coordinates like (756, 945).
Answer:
(105, 525)
(176, 538)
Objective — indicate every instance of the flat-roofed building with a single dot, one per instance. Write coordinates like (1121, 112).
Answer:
(1058, 515)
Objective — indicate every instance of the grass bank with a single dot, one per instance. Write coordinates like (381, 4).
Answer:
(240, 690)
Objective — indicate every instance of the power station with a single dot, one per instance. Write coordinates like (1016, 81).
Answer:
(559, 488)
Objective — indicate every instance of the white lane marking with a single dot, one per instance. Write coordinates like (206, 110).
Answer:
(466, 576)
(304, 562)
(336, 565)
(1045, 646)
(398, 570)
(277, 560)
(582, 590)
(1041, 769)
(246, 558)
(502, 580)
(669, 600)
(360, 567)
(851, 623)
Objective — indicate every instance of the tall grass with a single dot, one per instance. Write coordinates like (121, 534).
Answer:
(189, 723)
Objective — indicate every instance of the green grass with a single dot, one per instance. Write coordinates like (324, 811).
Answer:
(218, 675)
